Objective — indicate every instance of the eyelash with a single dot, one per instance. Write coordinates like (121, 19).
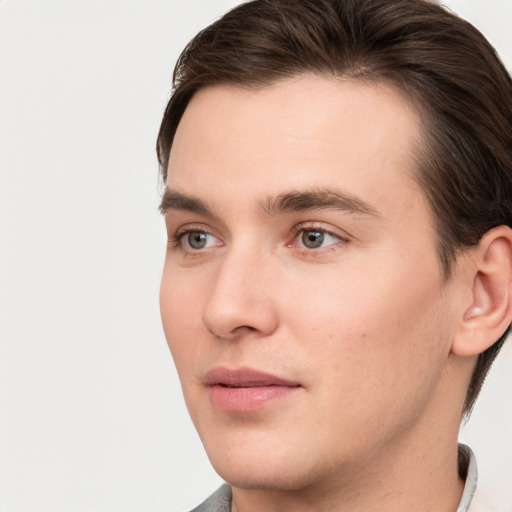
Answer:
(176, 241)
(301, 228)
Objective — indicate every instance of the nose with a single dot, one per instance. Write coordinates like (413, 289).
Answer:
(240, 301)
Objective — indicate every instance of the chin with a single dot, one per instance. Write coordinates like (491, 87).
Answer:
(248, 464)
(264, 477)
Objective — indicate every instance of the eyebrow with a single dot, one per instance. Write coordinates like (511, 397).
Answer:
(293, 201)
(173, 200)
(317, 199)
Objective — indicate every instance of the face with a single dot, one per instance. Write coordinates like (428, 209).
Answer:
(302, 297)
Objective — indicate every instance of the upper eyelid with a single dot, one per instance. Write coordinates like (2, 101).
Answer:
(305, 226)
(319, 226)
(178, 229)
(180, 220)
(188, 228)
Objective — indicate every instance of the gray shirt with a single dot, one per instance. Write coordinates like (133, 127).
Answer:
(220, 500)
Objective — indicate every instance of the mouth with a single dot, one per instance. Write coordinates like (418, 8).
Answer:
(245, 389)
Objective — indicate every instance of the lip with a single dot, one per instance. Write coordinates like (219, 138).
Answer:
(246, 389)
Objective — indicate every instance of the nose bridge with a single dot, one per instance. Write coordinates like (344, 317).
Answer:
(240, 296)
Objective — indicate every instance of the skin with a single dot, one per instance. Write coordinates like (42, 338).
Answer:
(365, 323)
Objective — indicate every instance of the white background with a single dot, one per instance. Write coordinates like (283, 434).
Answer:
(91, 412)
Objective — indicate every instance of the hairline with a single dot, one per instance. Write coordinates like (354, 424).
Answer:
(422, 149)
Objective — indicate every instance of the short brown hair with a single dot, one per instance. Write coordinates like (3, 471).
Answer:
(442, 63)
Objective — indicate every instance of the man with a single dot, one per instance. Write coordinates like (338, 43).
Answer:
(338, 276)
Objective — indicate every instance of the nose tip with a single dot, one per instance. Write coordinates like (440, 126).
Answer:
(240, 304)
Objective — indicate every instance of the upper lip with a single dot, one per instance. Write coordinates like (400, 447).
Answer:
(244, 377)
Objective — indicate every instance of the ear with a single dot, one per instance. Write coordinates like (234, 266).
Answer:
(490, 310)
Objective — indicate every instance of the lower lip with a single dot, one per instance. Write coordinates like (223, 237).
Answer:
(248, 399)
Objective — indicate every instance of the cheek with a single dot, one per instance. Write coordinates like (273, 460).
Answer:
(373, 337)
(179, 311)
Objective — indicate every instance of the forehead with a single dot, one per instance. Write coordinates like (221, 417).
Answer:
(304, 132)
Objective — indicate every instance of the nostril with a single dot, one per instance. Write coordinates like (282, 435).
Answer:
(243, 329)
(234, 333)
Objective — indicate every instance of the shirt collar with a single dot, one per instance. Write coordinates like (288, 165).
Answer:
(467, 467)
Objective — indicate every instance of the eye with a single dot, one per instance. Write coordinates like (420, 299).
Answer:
(198, 240)
(316, 238)
(194, 240)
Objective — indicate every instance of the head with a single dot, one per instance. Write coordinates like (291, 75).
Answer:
(445, 68)
(338, 194)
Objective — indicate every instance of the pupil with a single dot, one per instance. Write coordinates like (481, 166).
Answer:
(312, 239)
(197, 239)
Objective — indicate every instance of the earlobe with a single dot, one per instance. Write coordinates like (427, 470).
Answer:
(490, 311)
